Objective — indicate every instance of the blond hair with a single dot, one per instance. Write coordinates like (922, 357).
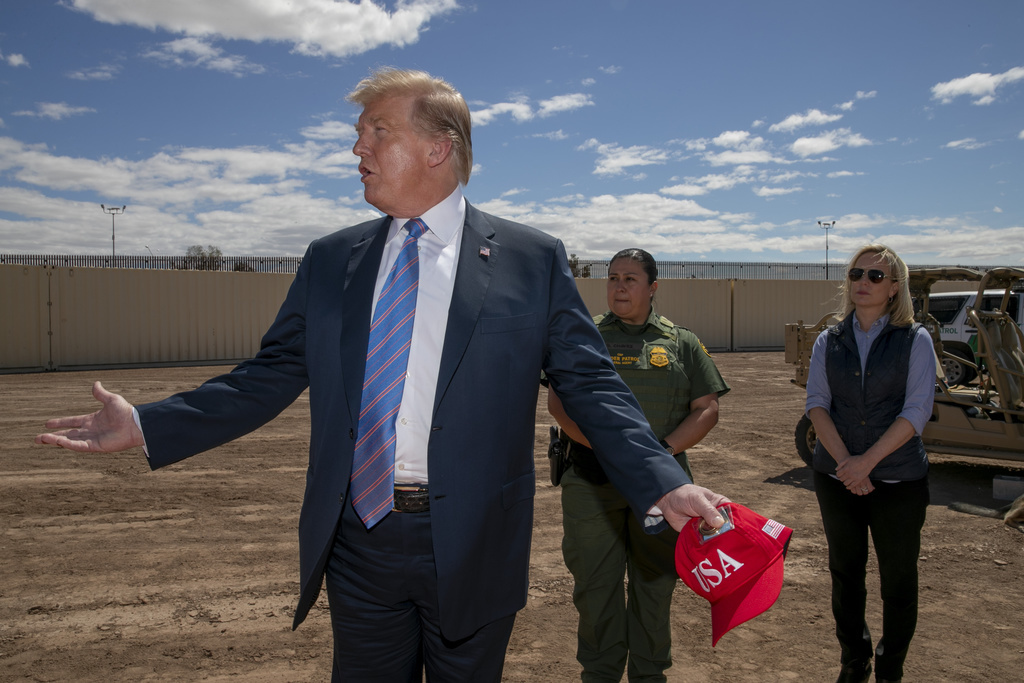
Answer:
(438, 110)
(900, 307)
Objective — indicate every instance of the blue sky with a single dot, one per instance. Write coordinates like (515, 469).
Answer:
(697, 130)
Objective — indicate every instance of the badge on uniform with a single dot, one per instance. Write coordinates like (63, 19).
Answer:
(659, 356)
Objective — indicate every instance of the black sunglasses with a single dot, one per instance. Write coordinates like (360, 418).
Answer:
(875, 276)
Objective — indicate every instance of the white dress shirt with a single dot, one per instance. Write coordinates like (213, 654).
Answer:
(438, 257)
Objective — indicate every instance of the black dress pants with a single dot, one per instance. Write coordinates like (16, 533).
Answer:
(894, 514)
(382, 589)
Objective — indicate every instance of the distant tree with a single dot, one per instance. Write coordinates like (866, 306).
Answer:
(243, 267)
(574, 266)
(198, 257)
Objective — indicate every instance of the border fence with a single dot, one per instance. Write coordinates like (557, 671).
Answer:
(74, 312)
(584, 269)
(286, 265)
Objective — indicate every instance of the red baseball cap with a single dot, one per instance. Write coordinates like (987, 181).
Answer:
(737, 568)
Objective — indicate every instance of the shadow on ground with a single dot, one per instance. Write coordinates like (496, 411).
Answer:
(964, 482)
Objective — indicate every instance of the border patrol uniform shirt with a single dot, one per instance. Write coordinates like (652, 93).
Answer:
(665, 366)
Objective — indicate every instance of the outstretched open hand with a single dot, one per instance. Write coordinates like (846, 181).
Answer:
(111, 428)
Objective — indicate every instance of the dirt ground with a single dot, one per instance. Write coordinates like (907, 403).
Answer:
(110, 572)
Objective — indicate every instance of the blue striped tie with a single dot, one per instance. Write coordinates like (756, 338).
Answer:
(387, 359)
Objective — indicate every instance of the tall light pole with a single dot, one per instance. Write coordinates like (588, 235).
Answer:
(826, 226)
(113, 211)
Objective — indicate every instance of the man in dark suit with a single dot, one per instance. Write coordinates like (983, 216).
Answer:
(432, 577)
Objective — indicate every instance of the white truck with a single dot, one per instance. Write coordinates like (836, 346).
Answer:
(958, 337)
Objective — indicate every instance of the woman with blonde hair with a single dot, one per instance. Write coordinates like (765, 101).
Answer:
(869, 394)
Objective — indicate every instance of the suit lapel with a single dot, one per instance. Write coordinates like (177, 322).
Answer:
(357, 303)
(477, 258)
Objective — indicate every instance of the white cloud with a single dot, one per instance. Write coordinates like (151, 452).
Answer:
(740, 148)
(733, 157)
(521, 110)
(685, 190)
(105, 72)
(950, 241)
(330, 130)
(737, 139)
(828, 141)
(861, 95)
(1020, 135)
(769, 192)
(562, 103)
(597, 227)
(785, 177)
(980, 86)
(695, 187)
(55, 111)
(195, 52)
(553, 135)
(184, 177)
(609, 69)
(587, 82)
(613, 159)
(812, 117)
(177, 197)
(966, 143)
(338, 28)
(14, 60)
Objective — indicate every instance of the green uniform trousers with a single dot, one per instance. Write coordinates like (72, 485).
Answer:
(618, 624)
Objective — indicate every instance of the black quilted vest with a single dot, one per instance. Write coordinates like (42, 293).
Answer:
(863, 410)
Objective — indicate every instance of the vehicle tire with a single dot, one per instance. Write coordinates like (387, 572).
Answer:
(956, 372)
(805, 440)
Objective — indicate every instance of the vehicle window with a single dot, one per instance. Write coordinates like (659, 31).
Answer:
(945, 308)
(991, 303)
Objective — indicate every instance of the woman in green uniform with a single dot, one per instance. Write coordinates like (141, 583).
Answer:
(678, 386)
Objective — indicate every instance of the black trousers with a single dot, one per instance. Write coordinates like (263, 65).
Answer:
(894, 514)
(382, 589)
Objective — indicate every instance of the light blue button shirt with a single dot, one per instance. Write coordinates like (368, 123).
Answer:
(917, 405)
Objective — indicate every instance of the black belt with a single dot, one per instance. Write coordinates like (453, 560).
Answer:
(411, 498)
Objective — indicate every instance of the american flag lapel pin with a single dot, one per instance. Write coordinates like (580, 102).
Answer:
(485, 252)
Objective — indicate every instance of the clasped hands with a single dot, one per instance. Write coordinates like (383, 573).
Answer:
(853, 472)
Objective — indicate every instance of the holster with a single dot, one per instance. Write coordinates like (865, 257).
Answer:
(558, 455)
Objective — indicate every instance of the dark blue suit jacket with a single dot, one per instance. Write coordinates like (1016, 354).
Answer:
(514, 311)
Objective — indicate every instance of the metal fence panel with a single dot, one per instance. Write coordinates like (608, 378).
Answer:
(761, 309)
(24, 318)
(124, 317)
(702, 306)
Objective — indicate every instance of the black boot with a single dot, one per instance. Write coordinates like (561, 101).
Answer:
(857, 671)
